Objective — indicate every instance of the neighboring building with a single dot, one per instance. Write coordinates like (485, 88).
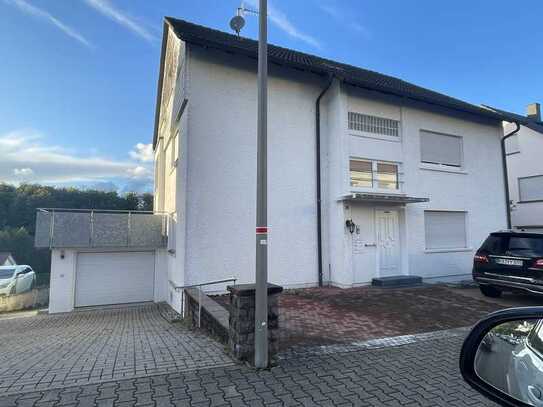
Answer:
(410, 180)
(525, 167)
(6, 259)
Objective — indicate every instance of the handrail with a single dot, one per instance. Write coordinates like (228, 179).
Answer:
(84, 210)
(178, 287)
(183, 287)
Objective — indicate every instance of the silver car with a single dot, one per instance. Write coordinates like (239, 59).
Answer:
(16, 279)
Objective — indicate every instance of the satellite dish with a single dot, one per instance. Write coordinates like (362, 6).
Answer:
(237, 23)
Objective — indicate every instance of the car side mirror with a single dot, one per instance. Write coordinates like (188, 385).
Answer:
(502, 357)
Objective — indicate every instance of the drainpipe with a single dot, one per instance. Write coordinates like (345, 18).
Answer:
(318, 169)
(505, 176)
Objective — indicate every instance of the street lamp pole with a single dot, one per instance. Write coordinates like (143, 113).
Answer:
(261, 294)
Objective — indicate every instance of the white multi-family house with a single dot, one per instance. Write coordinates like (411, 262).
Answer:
(525, 167)
(368, 176)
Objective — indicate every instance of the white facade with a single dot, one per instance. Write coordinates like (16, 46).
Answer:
(210, 190)
(525, 174)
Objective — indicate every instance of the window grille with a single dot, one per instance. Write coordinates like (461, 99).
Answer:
(373, 124)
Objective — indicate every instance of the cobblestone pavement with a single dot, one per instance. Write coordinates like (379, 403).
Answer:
(418, 373)
(50, 351)
(318, 316)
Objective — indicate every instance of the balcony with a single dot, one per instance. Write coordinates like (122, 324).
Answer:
(88, 228)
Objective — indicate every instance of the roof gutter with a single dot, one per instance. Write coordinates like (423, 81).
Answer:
(318, 169)
(505, 174)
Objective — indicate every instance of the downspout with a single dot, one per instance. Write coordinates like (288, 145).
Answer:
(318, 169)
(505, 175)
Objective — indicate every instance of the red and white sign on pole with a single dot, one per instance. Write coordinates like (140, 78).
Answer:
(262, 230)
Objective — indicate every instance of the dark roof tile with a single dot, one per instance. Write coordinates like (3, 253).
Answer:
(197, 34)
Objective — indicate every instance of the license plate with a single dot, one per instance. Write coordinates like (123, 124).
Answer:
(509, 262)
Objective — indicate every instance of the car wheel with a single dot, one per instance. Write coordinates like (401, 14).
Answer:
(489, 291)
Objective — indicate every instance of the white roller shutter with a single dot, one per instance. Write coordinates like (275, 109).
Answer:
(445, 230)
(531, 188)
(440, 149)
(114, 278)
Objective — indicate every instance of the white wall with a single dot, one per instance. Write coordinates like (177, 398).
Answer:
(478, 188)
(220, 165)
(222, 172)
(526, 163)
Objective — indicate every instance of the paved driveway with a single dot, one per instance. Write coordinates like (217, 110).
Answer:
(322, 316)
(51, 351)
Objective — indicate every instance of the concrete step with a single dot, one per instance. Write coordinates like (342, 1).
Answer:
(397, 281)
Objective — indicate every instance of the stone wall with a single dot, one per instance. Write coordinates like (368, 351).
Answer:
(242, 321)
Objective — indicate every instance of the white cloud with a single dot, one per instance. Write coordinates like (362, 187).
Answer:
(281, 20)
(23, 172)
(142, 152)
(139, 172)
(34, 11)
(107, 9)
(344, 19)
(27, 157)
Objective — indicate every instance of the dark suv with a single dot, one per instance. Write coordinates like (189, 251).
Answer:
(510, 261)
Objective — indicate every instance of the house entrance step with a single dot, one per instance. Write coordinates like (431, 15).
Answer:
(396, 281)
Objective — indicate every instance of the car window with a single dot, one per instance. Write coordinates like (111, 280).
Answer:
(6, 273)
(513, 246)
(535, 339)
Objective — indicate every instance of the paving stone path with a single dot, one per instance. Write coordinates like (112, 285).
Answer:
(408, 372)
(52, 351)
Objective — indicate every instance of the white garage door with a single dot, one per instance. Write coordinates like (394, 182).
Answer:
(114, 278)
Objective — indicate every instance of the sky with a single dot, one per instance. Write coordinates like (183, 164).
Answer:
(78, 78)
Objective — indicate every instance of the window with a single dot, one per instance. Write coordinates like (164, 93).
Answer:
(387, 176)
(373, 124)
(361, 174)
(373, 174)
(441, 149)
(511, 145)
(445, 229)
(531, 188)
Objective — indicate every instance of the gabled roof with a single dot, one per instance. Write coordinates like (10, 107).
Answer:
(523, 120)
(207, 37)
(4, 256)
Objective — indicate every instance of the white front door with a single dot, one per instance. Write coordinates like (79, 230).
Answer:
(388, 242)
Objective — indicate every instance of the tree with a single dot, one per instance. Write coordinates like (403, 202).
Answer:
(20, 244)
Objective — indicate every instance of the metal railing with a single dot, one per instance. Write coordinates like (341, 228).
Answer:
(100, 228)
(199, 286)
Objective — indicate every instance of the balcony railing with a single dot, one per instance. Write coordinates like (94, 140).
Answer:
(89, 228)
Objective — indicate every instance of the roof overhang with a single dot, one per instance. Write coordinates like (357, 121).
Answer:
(395, 199)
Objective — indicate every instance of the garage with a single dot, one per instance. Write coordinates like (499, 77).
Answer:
(114, 278)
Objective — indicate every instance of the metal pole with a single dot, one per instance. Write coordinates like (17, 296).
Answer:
(261, 293)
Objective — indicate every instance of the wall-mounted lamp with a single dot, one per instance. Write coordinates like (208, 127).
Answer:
(350, 225)
(62, 254)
